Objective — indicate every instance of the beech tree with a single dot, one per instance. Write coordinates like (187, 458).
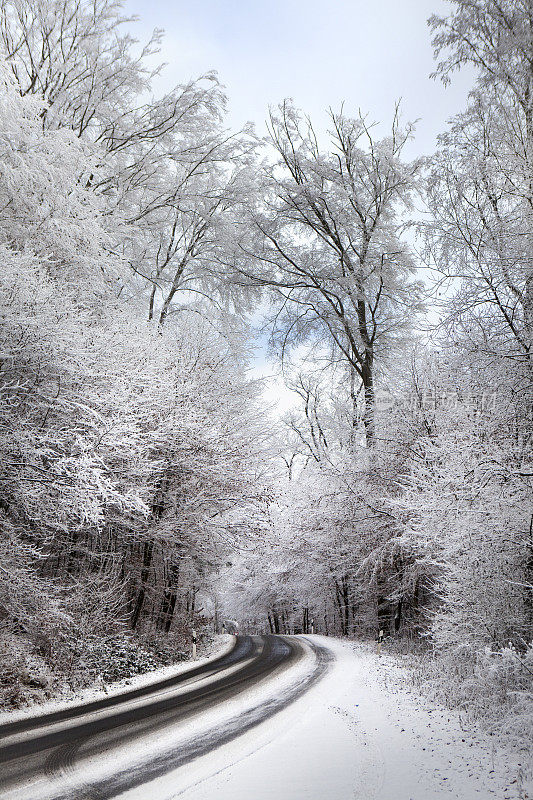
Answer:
(328, 241)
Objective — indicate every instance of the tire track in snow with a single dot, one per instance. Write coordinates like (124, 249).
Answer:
(279, 650)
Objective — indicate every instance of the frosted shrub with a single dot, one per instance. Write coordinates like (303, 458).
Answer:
(494, 686)
(501, 689)
(116, 658)
(24, 675)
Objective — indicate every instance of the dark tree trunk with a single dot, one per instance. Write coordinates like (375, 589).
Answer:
(398, 616)
(169, 599)
(148, 551)
(383, 611)
(275, 619)
(342, 597)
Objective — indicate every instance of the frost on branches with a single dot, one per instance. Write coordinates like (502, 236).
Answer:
(121, 463)
(145, 486)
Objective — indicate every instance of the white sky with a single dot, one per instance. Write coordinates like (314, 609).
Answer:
(367, 53)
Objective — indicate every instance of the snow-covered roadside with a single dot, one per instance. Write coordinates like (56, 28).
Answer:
(359, 734)
(455, 760)
(220, 645)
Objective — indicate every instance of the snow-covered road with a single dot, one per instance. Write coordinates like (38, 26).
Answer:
(296, 718)
(104, 747)
(359, 733)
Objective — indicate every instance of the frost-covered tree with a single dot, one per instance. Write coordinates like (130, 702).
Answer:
(172, 177)
(328, 242)
(479, 238)
(466, 502)
(482, 186)
(123, 478)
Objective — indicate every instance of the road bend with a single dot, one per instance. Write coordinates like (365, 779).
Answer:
(40, 757)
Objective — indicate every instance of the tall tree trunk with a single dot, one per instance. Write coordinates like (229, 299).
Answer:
(398, 616)
(368, 387)
(148, 550)
(168, 601)
(275, 619)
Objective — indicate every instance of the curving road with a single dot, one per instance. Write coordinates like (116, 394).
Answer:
(38, 754)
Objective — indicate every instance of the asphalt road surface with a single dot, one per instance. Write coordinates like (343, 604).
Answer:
(34, 752)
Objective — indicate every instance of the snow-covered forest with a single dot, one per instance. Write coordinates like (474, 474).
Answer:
(147, 486)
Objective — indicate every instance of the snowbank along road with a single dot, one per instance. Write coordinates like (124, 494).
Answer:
(272, 718)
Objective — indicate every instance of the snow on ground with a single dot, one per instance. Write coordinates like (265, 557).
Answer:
(221, 645)
(358, 734)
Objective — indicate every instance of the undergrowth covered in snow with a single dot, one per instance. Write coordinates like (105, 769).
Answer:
(491, 690)
(28, 677)
(494, 687)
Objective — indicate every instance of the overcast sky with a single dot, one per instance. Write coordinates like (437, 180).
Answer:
(367, 53)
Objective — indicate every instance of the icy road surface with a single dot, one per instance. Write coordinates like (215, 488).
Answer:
(276, 718)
